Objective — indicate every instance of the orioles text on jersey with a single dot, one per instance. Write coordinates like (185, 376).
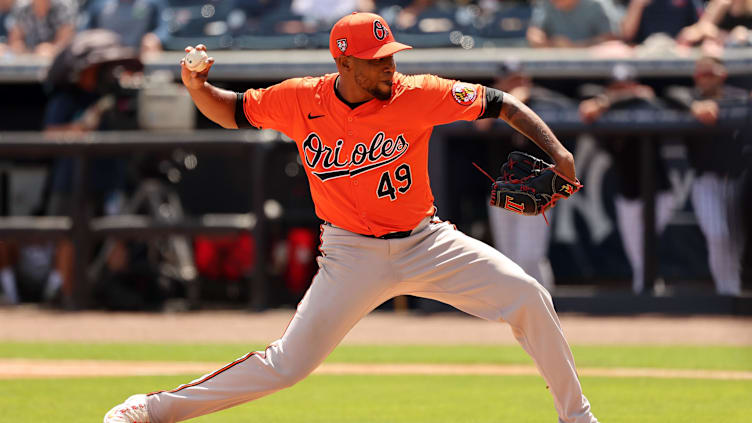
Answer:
(381, 151)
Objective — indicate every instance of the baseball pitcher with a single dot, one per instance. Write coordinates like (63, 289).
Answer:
(362, 134)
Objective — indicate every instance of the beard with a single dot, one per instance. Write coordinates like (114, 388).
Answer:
(374, 89)
(381, 94)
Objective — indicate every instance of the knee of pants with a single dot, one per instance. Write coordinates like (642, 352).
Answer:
(538, 292)
(289, 369)
(290, 376)
(532, 296)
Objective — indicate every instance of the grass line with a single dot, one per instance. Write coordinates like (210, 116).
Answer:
(668, 357)
(399, 399)
(15, 368)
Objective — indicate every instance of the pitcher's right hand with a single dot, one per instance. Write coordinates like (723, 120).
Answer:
(195, 80)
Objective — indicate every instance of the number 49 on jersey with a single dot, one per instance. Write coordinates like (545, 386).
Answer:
(403, 178)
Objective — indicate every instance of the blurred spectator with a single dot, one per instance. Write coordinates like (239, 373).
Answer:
(731, 20)
(521, 238)
(719, 163)
(410, 10)
(746, 204)
(625, 92)
(6, 6)
(28, 272)
(42, 27)
(320, 15)
(85, 83)
(571, 23)
(309, 16)
(644, 18)
(139, 23)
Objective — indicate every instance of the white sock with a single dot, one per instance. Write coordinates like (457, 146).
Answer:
(8, 281)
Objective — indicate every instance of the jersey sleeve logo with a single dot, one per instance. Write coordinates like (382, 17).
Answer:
(464, 93)
(342, 44)
(379, 31)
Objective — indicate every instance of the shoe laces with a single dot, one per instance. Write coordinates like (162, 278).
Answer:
(131, 411)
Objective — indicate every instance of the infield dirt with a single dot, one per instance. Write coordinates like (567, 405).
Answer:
(380, 328)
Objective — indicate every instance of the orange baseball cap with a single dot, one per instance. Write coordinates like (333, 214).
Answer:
(363, 35)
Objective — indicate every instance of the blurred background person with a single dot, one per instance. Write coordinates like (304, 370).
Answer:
(310, 16)
(139, 23)
(323, 13)
(624, 91)
(6, 7)
(42, 27)
(746, 204)
(521, 238)
(86, 92)
(719, 162)
(571, 23)
(35, 270)
(409, 12)
(644, 18)
(731, 20)
(29, 271)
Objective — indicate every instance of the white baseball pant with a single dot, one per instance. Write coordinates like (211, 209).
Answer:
(629, 220)
(525, 241)
(358, 273)
(712, 200)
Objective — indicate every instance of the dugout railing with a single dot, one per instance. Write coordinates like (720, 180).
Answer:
(477, 63)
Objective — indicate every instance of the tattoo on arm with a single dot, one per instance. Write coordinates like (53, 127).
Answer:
(524, 120)
(537, 131)
(511, 110)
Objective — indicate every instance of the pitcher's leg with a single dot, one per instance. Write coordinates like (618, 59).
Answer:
(347, 287)
(479, 280)
(533, 238)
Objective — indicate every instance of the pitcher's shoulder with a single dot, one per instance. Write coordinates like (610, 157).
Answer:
(313, 83)
(415, 82)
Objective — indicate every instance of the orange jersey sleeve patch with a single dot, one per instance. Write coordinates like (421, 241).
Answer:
(445, 100)
(464, 93)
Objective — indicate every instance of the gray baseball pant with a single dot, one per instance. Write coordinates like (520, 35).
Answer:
(356, 274)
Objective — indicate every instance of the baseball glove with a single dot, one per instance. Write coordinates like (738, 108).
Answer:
(529, 185)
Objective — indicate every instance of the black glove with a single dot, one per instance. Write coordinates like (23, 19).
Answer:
(529, 185)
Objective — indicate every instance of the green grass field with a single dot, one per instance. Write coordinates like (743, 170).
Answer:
(404, 398)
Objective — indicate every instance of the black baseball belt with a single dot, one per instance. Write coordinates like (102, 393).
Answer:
(390, 235)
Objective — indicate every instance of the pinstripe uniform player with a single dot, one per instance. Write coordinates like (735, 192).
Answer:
(362, 134)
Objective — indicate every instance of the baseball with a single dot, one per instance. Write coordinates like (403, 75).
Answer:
(195, 60)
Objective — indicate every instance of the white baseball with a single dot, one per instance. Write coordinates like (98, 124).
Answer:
(196, 60)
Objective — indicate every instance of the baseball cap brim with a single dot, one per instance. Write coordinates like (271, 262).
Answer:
(382, 51)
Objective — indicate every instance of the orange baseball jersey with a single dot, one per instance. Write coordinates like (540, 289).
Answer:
(367, 167)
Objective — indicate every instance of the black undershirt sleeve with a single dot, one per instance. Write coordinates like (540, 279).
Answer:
(240, 120)
(494, 99)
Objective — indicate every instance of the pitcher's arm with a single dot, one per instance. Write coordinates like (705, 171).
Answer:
(215, 103)
(528, 123)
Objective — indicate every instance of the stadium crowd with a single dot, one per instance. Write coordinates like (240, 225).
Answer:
(135, 30)
(44, 26)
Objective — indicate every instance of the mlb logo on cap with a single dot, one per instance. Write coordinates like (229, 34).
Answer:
(363, 35)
